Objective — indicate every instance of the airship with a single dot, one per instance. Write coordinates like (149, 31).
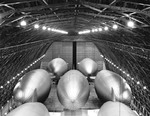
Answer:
(34, 86)
(30, 109)
(110, 86)
(115, 109)
(73, 90)
(87, 66)
(58, 67)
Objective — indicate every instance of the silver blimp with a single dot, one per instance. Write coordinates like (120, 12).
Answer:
(110, 86)
(30, 109)
(34, 86)
(73, 90)
(87, 66)
(58, 66)
(115, 109)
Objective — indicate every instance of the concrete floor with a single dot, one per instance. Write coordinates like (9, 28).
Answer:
(53, 104)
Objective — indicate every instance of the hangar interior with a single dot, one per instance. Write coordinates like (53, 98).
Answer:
(114, 33)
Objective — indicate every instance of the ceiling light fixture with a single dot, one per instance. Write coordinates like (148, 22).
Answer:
(106, 28)
(44, 27)
(93, 30)
(60, 31)
(49, 29)
(96, 30)
(36, 26)
(115, 26)
(130, 24)
(144, 87)
(100, 29)
(23, 23)
(84, 32)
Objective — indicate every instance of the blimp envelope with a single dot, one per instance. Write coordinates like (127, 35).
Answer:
(58, 66)
(30, 109)
(73, 90)
(35, 84)
(111, 86)
(87, 66)
(115, 109)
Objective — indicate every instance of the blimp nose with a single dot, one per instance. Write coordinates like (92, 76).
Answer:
(73, 90)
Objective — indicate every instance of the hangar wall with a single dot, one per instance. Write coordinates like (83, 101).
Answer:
(64, 50)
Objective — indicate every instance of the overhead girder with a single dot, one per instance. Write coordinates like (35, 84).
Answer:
(16, 1)
(34, 10)
(70, 14)
(90, 5)
(135, 3)
(48, 21)
(63, 21)
(43, 12)
(32, 17)
(98, 15)
(123, 9)
(52, 6)
(63, 5)
(6, 14)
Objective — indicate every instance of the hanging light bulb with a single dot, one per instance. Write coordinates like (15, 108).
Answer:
(128, 75)
(93, 30)
(144, 87)
(23, 23)
(1, 87)
(123, 72)
(106, 28)
(130, 24)
(138, 82)
(44, 27)
(115, 26)
(49, 29)
(96, 30)
(36, 26)
(10, 108)
(102, 56)
(5, 113)
(100, 29)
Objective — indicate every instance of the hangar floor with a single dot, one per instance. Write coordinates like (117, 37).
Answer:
(53, 104)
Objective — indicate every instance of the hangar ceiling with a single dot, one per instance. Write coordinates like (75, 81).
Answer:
(128, 48)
